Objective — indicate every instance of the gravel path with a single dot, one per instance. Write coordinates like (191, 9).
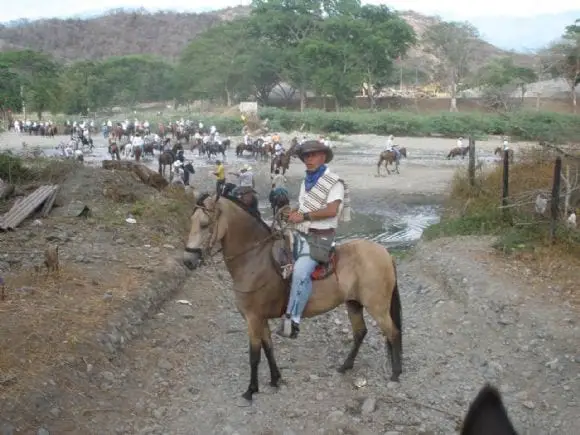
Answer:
(466, 322)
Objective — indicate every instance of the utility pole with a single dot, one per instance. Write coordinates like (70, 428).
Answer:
(23, 103)
(401, 77)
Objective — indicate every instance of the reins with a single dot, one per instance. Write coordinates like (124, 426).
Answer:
(209, 245)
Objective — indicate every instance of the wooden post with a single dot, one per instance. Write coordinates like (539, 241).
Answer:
(51, 259)
(471, 169)
(555, 200)
(506, 181)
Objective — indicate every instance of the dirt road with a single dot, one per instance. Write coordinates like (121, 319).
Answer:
(466, 320)
(469, 317)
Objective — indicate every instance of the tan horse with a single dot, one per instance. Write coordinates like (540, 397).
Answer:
(389, 158)
(364, 277)
(499, 151)
(458, 151)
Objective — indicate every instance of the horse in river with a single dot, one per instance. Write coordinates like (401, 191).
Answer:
(390, 157)
(458, 151)
(360, 274)
(280, 162)
(114, 151)
(167, 158)
(215, 148)
(499, 152)
(487, 415)
(138, 151)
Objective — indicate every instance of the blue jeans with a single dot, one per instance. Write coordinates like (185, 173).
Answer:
(301, 282)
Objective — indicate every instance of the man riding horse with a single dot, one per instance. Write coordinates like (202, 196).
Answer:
(393, 148)
(320, 204)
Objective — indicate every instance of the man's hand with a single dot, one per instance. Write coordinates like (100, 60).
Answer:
(296, 217)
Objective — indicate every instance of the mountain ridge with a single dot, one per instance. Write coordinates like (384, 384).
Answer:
(163, 33)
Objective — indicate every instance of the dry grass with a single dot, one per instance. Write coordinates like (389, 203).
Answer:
(521, 231)
(44, 319)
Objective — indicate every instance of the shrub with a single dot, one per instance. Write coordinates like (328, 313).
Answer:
(476, 210)
(524, 125)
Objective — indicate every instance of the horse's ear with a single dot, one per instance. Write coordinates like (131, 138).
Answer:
(487, 415)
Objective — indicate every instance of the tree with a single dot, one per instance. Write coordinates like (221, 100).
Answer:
(286, 25)
(38, 76)
(213, 64)
(500, 78)
(10, 98)
(385, 37)
(566, 56)
(454, 44)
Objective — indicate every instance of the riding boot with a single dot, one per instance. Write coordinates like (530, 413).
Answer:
(288, 328)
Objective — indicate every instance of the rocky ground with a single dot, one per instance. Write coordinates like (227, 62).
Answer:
(469, 317)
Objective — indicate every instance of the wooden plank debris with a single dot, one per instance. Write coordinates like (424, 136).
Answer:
(49, 202)
(25, 207)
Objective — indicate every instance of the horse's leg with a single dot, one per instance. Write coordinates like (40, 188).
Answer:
(387, 167)
(397, 166)
(379, 167)
(359, 331)
(275, 375)
(255, 333)
(390, 323)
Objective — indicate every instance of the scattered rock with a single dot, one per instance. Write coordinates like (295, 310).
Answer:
(6, 429)
(164, 364)
(108, 376)
(369, 406)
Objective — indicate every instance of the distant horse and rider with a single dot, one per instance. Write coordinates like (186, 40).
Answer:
(389, 157)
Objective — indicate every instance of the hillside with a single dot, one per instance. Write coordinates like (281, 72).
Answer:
(163, 33)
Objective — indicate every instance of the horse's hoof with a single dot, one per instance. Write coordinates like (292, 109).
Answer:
(344, 368)
(395, 377)
(244, 402)
(277, 383)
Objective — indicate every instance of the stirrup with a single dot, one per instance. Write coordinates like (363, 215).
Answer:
(285, 329)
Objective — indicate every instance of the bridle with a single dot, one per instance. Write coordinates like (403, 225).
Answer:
(205, 250)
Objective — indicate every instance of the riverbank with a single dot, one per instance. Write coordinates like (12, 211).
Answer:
(522, 125)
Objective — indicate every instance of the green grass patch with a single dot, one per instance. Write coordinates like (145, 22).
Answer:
(525, 125)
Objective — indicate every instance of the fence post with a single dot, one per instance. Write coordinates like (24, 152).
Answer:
(506, 181)
(471, 169)
(555, 200)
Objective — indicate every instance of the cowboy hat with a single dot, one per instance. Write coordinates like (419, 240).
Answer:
(313, 146)
(246, 167)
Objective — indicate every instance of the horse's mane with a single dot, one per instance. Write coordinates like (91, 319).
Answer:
(205, 195)
(248, 210)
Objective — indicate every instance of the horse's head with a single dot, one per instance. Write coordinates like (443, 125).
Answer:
(210, 223)
(200, 230)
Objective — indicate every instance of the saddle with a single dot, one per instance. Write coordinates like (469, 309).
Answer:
(283, 256)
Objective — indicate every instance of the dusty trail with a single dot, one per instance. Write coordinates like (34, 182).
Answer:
(463, 326)
(468, 318)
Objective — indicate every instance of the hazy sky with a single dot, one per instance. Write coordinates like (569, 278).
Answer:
(448, 9)
(505, 24)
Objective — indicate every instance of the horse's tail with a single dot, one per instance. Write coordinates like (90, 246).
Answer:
(396, 311)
